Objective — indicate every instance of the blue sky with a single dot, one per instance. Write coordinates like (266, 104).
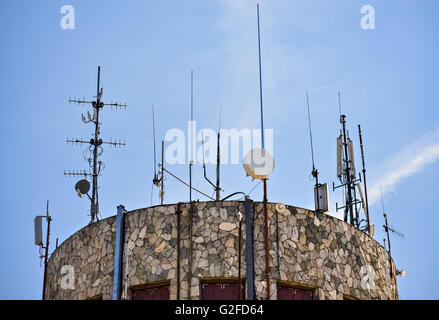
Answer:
(387, 78)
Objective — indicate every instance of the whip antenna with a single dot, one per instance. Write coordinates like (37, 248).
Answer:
(155, 180)
(314, 170)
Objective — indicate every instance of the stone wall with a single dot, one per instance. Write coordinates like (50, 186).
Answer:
(90, 252)
(317, 251)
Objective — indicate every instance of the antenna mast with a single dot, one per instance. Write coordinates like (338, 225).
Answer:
(314, 172)
(366, 209)
(95, 146)
(155, 180)
(386, 226)
(216, 187)
(218, 161)
(346, 173)
(191, 162)
(162, 175)
(321, 197)
(46, 255)
(266, 243)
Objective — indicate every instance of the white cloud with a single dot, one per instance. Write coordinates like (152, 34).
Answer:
(404, 164)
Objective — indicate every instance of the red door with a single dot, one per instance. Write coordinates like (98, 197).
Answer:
(289, 293)
(157, 293)
(221, 291)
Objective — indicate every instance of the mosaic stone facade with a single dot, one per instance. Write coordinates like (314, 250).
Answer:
(316, 251)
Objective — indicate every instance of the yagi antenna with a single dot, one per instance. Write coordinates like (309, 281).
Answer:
(95, 145)
(386, 225)
(387, 229)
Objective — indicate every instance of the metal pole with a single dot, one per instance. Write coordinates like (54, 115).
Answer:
(386, 227)
(249, 258)
(277, 244)
(267, 250)
(190, 252)
(218, 162)
(239, 259)
(48, 218)
(93, 208)
(348, 174)
(162, 194)
(192, 137)
(387, 231)
(260, 81)
(364, 178)
(178, 251)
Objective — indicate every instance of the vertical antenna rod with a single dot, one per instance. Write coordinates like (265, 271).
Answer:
(153, 135)
(94, 209)
(192, 137)
(364, 178)
(267, 249)
(162, 178)
(386, 226)
(260, 83)
(347, 170)
(314, 172)
(218, 161)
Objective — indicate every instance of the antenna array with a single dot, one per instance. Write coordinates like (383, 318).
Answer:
(95, 145)
(347, 175)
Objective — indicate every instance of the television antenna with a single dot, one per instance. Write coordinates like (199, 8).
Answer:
(94, 149)
(387, 229)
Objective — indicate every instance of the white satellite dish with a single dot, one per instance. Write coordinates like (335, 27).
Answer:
(258, 163)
